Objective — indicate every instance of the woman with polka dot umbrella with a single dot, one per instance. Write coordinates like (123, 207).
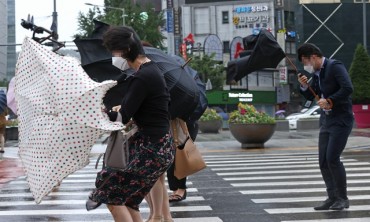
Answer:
(60, 113)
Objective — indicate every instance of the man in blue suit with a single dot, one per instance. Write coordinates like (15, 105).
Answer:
(333, 89)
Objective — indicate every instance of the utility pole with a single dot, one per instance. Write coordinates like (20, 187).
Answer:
(54, 26)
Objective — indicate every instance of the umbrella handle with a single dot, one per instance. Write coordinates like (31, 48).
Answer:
(187, 61)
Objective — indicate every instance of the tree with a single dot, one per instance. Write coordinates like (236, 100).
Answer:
(144, 20)
(85, 22)
(360, 76)
(208, 68)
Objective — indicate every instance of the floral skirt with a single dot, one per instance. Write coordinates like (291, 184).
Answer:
(147, 162)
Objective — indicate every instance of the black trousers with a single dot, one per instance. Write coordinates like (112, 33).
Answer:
(173, 182)
(332, 141)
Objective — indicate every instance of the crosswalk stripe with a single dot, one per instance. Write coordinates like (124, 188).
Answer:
(301, 190)
(283, 167)
(258, 160)
(73, 202)
(192, 219)
(290, 177)
(363, 219)
(60, 192)
(311, 210)
(304, 199)
(288, 171)
(272, 163)
(291, 183)
(96, 211)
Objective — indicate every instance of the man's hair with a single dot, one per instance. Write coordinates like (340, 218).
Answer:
(123, 38)
(307, 50)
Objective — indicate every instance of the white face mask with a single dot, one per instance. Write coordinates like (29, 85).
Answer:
(309, 68)
(120, 63)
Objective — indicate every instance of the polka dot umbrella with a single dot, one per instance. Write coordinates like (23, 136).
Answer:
(60, 116)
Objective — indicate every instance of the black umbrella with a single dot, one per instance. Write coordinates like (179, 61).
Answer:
(182, 87)
(96, 60)
(266, 53)
(3, 103)
(203, 101)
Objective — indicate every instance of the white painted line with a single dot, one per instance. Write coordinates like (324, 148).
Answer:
(260, 160)
(305, 199)
(283, 166)
(290, 177)
(273, 155)
(101, 210)
(72, 202)
(301, 190)
(191, 219)
(274, 163)
(311, 210)
(291, 183)
(70, 193)
(363, 219)
(287, 171)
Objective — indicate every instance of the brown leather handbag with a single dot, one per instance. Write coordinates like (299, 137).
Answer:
(188, 159)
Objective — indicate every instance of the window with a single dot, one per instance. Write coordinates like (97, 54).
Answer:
(361, 1)
(226, 46)
(225, 17)
(290, 48)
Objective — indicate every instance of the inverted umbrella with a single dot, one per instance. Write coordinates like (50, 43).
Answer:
(3, 103)
(60, 116)
(266, 53)
(10, 96)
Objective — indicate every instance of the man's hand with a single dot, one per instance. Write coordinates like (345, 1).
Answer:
(302, 79)
(323, 103)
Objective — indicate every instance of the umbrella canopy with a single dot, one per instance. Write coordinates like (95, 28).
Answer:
(60, 116)
(96, 60)
(3, 103)
(266, 53)
(182, 87)
(10, 96)
(203, 101)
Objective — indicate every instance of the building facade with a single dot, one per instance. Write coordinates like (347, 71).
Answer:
(7, 39)
(218, 26)
(11, 49)
(3, 38)
(335, 26)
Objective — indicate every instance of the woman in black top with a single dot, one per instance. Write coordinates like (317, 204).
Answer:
(151, 149)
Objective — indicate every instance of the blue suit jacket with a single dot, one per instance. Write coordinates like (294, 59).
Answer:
(336, 85)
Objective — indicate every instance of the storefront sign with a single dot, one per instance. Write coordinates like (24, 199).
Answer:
(170, 21)
(283, 73)
(252, 17)
(243, 97)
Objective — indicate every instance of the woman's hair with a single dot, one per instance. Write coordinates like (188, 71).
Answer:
(307, 50)
(123, 38)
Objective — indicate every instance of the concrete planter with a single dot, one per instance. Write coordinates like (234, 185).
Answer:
(282, 125)
(212, 126)
(308, 124)
(252, 135)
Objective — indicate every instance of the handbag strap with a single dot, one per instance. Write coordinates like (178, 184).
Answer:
(183, 126)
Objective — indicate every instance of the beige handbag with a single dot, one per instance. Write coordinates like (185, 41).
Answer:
(188, 159)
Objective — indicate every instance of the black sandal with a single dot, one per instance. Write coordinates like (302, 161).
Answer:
(176, 197)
